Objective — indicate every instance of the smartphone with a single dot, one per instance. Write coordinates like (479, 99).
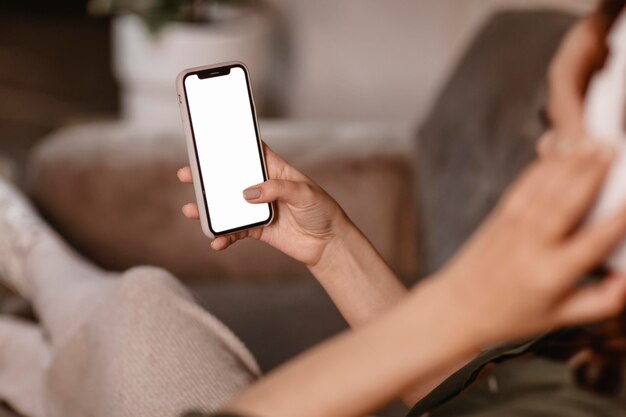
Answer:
(225, 151)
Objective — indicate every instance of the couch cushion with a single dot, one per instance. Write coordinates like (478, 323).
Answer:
(483, 128)
(111, 190)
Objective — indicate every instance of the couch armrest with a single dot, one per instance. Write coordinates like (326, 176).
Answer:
(111, 190)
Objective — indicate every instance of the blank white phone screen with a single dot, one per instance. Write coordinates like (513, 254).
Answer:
(227, 148)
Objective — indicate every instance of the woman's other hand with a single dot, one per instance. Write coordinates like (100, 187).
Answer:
(307, 218)
(519, 275)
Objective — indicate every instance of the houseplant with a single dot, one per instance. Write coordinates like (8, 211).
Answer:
(158, 13)
(153, 40)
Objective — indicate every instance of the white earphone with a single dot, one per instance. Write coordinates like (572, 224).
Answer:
(605, 119)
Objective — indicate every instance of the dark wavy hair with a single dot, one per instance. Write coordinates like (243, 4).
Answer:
(596, 353)
(612, 8)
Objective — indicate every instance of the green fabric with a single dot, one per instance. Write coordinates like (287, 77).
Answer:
(520, 384)
(526, 387)
(462, 378)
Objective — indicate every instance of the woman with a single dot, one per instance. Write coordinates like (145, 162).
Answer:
(136, 344)
(581, 53)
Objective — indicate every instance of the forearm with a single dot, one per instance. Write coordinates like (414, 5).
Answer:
(362, 286)
(357, 278)
(359, 371)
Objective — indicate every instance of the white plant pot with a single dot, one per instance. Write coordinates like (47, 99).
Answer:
(146, 64)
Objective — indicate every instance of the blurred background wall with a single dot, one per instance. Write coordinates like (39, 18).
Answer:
(346, 59)
(352, 56)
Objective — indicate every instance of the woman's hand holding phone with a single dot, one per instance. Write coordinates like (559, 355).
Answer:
(311, 227)
(307, 218)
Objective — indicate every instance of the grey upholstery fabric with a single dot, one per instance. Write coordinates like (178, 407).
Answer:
(483, 128)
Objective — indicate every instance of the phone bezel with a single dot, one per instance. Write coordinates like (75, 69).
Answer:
(216, 71)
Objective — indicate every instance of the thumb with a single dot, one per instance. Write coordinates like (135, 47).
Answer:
(295, 193)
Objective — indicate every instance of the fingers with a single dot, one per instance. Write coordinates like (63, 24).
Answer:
(594, 302)
(581, 53)
(280, 169)
(184, 175)
(531, 195)
(554, 194)
(573, 189)
(223, 242)
(190, 210)
(297, 194)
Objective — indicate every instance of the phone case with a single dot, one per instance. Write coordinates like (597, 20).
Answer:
(191, 148)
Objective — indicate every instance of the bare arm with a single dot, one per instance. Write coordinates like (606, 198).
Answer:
(363, 287)
(473, 302)
(361, 370)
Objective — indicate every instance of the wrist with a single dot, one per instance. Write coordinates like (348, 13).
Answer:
(453, 319)
(465, 303)
(346, 238)
(350, 258)
(356, 277)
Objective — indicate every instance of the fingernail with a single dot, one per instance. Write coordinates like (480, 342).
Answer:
(252, 193)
